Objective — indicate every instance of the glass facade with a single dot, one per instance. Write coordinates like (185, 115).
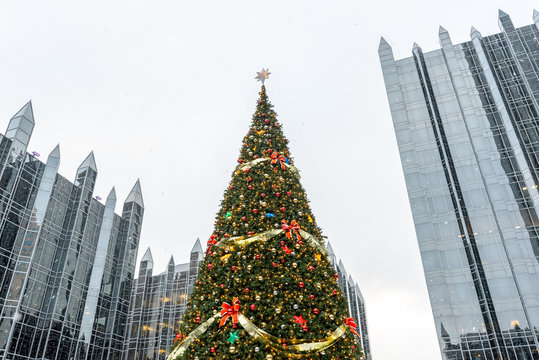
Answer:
(466, 119)
(159, 303)
(356, 303)
(66, 260)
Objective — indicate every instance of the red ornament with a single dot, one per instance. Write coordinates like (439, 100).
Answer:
(249, 233)
(253, 307)
(243, 218)
(288, 193)
(250, 187)
(226, 235)
(263, 114)
(197, 319)
(222, 286)
(316, 311)
(311, 297)
(233, 268)
(282, 261)
(301, 284)
(263, 195)
(305, 328)
(256, 156)
(267, 121)
(250, 179)
(257, 257)
(247, 290)
(255, 211)
(278, 194)
(275, 264)
(210, 266)
(212, 349)
(232, 186)
(336, 276)
(283, 209)
(335, 292)
(311, 267)
(247, 170)
(240, 161)
(269, 151)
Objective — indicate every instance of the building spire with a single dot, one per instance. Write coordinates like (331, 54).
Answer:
(197, 248)
(89, 162)
(20, 128)
(135, 195)
(147, 256)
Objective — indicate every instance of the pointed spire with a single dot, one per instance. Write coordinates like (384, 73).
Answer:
(197, 248)
(330, 249)
(147, 256)
(383, 44)
(171, 261)
(474, 33)
(536, 17)
(502, 14)
(385, 52)
(55, 153)
(112, 194)
(416, 48)
(135, 195)
(504, 21)
(20, 128)
(89, 162)
(443, 36)
(442, 30)
(26, 111)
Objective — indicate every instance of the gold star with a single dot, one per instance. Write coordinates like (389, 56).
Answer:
(262, 75)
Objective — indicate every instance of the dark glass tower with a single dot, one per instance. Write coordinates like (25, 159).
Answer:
(466, 119)
(66, 260)
(159, 303)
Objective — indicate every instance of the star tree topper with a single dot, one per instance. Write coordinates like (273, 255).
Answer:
(262, 75)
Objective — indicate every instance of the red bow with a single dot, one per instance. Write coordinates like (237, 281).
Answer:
(300, 320)
(289, 228)
(178, 337)
(353, 326)
(211, 242)
(286, 249)
(281, 158)
(230, 311)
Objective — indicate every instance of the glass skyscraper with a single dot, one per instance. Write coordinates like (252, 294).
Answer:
(466, 119)
(356, 302)
(159, 303)
(66, 260)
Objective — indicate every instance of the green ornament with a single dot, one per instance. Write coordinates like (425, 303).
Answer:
(233, 337)
(228, 214)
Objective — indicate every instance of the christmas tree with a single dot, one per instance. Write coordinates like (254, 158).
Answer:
(266, 289)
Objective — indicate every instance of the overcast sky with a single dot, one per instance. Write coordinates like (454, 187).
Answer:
(164, 91)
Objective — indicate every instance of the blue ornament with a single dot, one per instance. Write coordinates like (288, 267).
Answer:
(270, 215)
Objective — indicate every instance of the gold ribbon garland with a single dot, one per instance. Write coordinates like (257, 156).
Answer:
(296, 350)
(297, 347)
(255, 162)
(265, 236)
(192, 337)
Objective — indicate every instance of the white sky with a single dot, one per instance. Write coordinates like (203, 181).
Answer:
(164, 90)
